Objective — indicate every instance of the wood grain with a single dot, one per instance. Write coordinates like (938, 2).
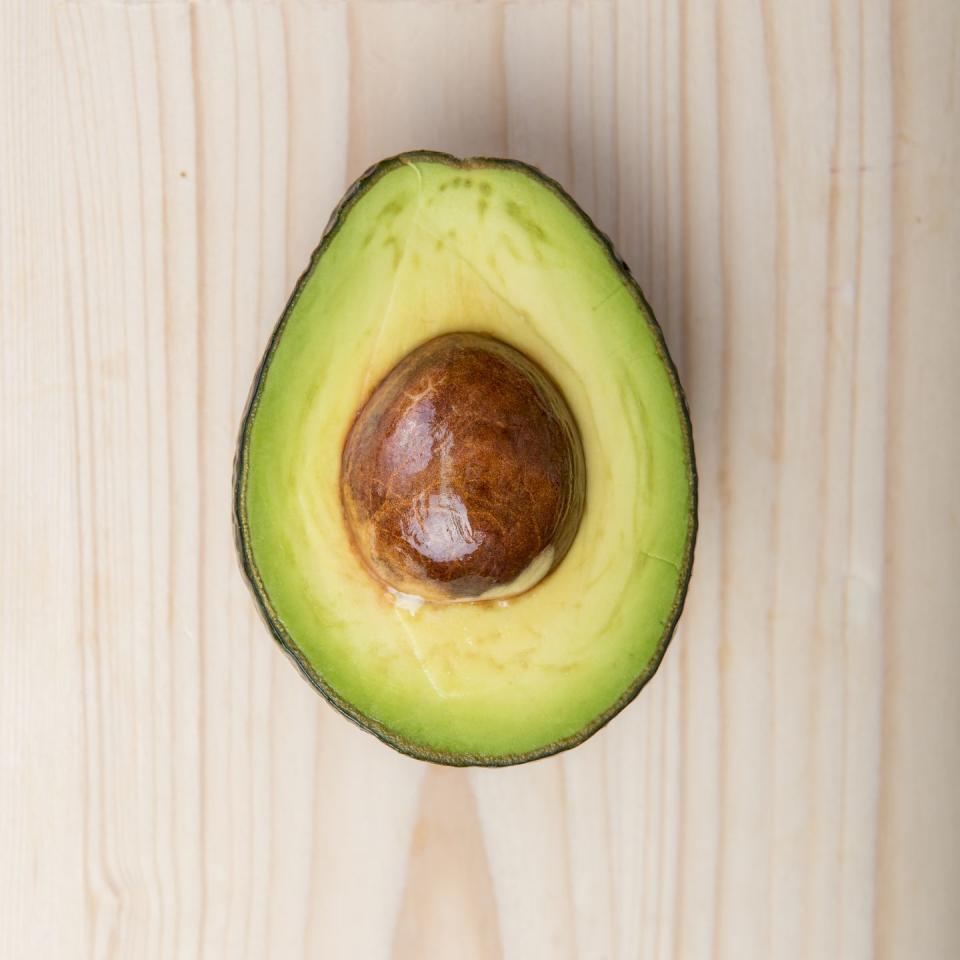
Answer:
(783, 180)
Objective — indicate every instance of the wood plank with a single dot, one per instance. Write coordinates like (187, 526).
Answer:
(782, 179)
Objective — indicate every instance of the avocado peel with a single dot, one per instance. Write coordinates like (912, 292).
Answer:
(531, 245)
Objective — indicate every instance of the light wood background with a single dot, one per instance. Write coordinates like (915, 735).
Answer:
(784, 178)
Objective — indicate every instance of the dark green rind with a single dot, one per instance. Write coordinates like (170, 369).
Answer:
(241, 529)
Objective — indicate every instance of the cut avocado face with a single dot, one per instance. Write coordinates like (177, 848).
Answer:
(465, 493)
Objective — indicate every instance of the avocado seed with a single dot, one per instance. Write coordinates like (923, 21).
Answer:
(463, 474)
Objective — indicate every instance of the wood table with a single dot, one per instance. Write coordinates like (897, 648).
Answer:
(784, 180)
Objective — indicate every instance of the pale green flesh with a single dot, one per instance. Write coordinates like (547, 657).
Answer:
(429, 249)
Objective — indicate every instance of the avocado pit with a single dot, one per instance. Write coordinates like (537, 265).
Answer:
(463, 474)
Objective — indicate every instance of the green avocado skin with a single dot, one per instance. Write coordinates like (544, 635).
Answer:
(241, 462)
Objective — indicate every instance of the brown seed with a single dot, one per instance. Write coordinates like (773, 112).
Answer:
(463, 467)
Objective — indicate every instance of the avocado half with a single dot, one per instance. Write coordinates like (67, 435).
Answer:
(423, 245)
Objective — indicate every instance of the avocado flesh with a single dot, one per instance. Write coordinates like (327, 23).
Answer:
(425, 245)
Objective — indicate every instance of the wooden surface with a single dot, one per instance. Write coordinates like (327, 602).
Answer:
(784, 180)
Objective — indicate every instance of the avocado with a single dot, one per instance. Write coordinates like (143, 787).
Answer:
(465, 491)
